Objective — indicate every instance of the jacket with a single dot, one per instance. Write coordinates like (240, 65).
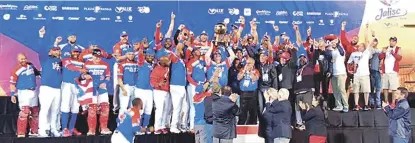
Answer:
(271, 76)
(278, 119)
(157, 76)
(288, 71)
(399, 119)
(323, 60)
(315, 122)
(224, 121)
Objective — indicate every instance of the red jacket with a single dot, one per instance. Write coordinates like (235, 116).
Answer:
(348, 47)
(157, 76)
(398, 58)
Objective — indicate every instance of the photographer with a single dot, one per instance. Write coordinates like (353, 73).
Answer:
(224, 111)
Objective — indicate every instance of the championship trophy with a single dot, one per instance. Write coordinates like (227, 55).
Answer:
(220, 32)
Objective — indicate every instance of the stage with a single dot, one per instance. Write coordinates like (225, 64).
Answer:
(351, 127)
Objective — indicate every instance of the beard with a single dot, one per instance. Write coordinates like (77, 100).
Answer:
(23, 63)
(72, 42)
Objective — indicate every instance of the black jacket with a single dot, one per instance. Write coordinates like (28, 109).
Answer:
(288, 71)
(324, 62)
(315, 122)
(278, 119)
(224, 121)
(233, 79)
(272, 74)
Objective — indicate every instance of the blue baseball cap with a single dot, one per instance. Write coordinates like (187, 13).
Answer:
(129, 50)
(75, 50)
(123, 33)
(150, 52)
(55, 48)
(265, 52)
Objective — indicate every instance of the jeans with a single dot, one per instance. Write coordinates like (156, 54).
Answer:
(217, 140)
(400, 140)
(209, 133)
(282, 140)
(200, 134)
(375, 88)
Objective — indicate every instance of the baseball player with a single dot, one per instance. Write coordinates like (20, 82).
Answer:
(118, 52)
(196, 76)
(23, 78)
(143, 89)
(86, 55)
(217, 65)
(67, 47)
(159, 80)
(128, 123)
(50, 93)
(127, 73)
(177, 88)
(72, 68)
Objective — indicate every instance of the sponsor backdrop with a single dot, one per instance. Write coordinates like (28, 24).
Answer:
(102, 22)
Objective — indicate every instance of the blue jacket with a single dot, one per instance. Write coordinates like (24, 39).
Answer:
(224, 121)
(52, 72)
(278, 119)
(399, 119)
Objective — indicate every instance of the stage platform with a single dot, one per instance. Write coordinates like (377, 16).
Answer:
(351, 127)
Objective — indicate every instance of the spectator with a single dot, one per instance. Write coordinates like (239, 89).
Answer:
(248, 77)
(321, 71)
(278, 116)
(224, 111)
(399, 117)
(315, 118)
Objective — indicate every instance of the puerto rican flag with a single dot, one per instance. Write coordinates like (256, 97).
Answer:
(85, 91)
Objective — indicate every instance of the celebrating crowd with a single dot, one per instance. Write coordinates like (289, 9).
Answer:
(205, 86)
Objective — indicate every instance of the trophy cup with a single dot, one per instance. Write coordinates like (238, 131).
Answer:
(220, 32)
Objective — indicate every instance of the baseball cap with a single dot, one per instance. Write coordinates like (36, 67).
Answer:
(302, 55)
(393, 38)
(55, 48)
(265, 52)
(96, 52)
(283, 33)
(195, 49)
(129, 50)
(123, 34)
(330, 37)
(150, 52)
(72, 34)
(375, 39)
(204, 33)
(234, 26)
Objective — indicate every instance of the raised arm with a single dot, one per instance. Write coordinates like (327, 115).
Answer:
(297, 35)
(254, 32)
(241, 27)
(398, 112)
(171, 26)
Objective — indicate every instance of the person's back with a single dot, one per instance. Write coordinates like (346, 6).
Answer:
(224, 111)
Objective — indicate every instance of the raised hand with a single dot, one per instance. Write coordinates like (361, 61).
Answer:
(309, 31)
(58, 40)
(276, 28)
(42, 31)
(344, 23)
(242, 19)
(253, 25)
(295, 26)
(159, 23)
(172, 16)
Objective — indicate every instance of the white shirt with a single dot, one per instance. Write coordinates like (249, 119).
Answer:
(338, 65)
(390, 60)
(362, 61)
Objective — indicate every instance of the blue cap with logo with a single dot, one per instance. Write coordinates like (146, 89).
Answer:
(130, 50)
(123, 34)
(150, 52)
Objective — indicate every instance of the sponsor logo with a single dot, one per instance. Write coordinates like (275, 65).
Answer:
(298, 13)
(73, 18)
(314, 13)
(90, 18)
(247, 11)
(263, 12)
(69, 8)
(283, 22)
(105, 18)
(143, 9)
(336, 14)
(21, 17)
(60, 18)
(331, 22)
(215, 11)
(30, 7)
(309, 22)
(51, 8)
(6, 16)
(281, 13)
(8, 7)
(123, 9)
(233, 11)
(321, 22)
(130, 18)
(390, 25)
(97, 9)
(118, 19)
(390, 12)
(270, 22)
(297, 22)
(39, 17)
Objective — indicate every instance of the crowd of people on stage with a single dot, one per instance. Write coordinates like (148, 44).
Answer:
(207, 86)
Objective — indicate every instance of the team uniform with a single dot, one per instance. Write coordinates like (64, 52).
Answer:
(196, 76)
(24, 77)
(67, 47)
(100, 72)
(178, 92)
(69, 104)
(50, 95)
(128, 125)
(224, 67)
(86, 55)
(158, 75)
(127, 71)
(121, 49)
(143, 89)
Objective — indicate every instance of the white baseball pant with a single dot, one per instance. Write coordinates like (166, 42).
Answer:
(50, 100)
(27, 98)
(191, 91)
(160, 98)
(169, 109)
(146, 97)
(69, 102)
(102, 98)
(115, 99)
(177, 93)
(125, 100)
(117, 137)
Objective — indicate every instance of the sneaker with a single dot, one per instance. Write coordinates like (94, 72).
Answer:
(55, 133)
(165, 131)
(366, 108)
(158, 132)
(139, 133)
(43, 134)
(338, 109)
(21, 136)
(300, 127)
(148, 131)
(90, 133)
(66, 133)
(174, 130)
(76, 132)
(345, 109)
(32, 134)
(356, 108)
(106, 131)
